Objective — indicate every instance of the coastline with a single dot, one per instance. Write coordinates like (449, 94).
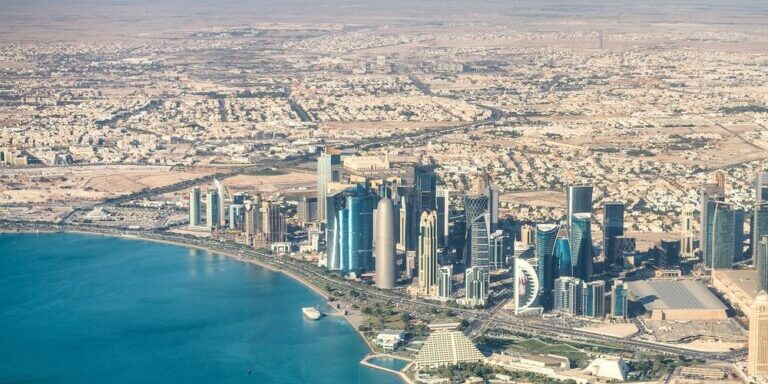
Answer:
(401, 375)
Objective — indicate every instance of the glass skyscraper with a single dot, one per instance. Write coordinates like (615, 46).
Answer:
(443, 207)
(349, 233)
(581, 245)
(594, 299)
(328, 171)
(619, 300)
(563, 259)
(474, 206)
(721, 239)
(546, 235)
(613, 226)
(480, 249)
(579, 200)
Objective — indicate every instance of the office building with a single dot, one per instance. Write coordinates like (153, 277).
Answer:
(619, 300)
(477, 283)
(578, 200)
(757, 361)
(236, 216)
(688, 233)
(349, 231)
(493, 206)
(445, 282)
(428, 252)
(328, 171)
(721, 235)
(307, 209)
(480, 251)
(593, 299)
(443, 207)
(194, 207)
(563, 260)
(386, 268)
(759, 232)
(581, 245)
(528, 235)
(625, 246)
(425, 188)
(498, 248)
(668, 254)
(761, 186)
(474, 207)
(221, 193)
(527, 286)
(569, 295)
(710, 196)
(212, 208)
(613, 227)
(546, 235)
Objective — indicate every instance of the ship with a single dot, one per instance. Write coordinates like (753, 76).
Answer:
(311, 313)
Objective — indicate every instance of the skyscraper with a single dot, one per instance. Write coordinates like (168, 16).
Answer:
(687, 234)
(761, 264)
(757, 362)
(594, 299)
(493, 206)
(445, 282)
(307, 209)
(356, 232)
(668, 253)
(546, 235)
(194, 207)
(710, 195)
(428, 252)
(221, 193)
(425, 185)
(721, 235)
(409, 219)
(569, 295)
(443, 207)
(759, 229)
(480, 252)
(619, 300)
(474, 206)
(497, 250)
(581, 245)
(527, 286)
(528, 235)
(579, 200)
(613, 226)
(328, 171)
(212, 208)
(761, 186)
(385, 245)
(563, 260)
(236, 216)
(477, 282)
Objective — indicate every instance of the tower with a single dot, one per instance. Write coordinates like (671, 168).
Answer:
(212, 208)
(474, 206)
(579, 200)
(385, 245)
(445, 282)
(220, 191)
(619, 301)
(581, 245)
(687, 234)
(328, 171)
(761, 186)
(594, 299)
(546, 235)
(613, 226)
(443, 207)
(428, 252)
(480, 252)
(757, 362)
(194, 207)
(761, 264)
(527, 235)
(477, 282)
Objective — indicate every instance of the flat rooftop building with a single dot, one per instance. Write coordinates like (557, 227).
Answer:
(677, 300)
(738, 286)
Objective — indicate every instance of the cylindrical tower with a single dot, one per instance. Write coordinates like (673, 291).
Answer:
(385, 245)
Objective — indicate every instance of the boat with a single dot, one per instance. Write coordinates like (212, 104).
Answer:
(311, 313)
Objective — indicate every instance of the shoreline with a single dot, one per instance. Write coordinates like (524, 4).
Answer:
(401, 375)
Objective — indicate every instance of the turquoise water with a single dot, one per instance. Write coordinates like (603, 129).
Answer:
(390, 363)
(89, 309)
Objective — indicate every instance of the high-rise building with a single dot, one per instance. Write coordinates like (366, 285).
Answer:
(480, 252)
(212, 208)
(757, 362)
(493, 206)
(409, 218)
(668, 253)
(546, 235)
(569, 295)
(445, 282)
(443, 207)
(428, 252)
(687, 234)
(710, 195)
(527, 286)
(307, 209)
(477, 282)
(528, 235)
(581, 245)
(328, 171)
(349, 231)
(761, 186)
(221, 193)
(474, 206)
(721, 235)
(619, 300)
(236, 216)
(497, 250)
(563, 259)
(594, 299)
(738, 235)
(579, 200)
(625, 245)
(274, 227)
(613, 227)
(425, 188)
(194, 207)
(759, 229)
(761, 263)
(386, 267)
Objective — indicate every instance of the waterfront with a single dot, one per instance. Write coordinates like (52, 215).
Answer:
(81, 308)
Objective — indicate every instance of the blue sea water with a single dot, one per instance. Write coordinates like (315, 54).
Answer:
(91, 309)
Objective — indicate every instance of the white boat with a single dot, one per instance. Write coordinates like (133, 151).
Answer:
(311, 313)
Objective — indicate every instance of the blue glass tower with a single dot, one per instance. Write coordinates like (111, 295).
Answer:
(581, 245)
(613, 227)
(563, 257)
(349, 235)
(474, 206)
(546, 235)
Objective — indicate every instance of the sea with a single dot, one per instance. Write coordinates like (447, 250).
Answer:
(94, 309)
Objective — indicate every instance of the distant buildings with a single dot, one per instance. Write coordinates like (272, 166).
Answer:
(328, 171)
(757, 361)
(194, 207)
(212, 208)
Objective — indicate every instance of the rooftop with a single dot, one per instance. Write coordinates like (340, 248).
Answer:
(685, 294)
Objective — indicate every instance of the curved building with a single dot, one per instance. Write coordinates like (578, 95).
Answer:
(526, 286)
(563, 257)
(546, 234)
(428, 252)
(385, 244)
